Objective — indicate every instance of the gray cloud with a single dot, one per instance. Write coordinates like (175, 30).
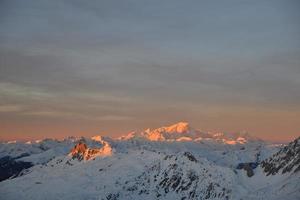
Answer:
(112, 60)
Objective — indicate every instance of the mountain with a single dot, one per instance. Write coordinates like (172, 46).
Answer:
(284, 161)
(278, 176)
(154, 164)
(183, 132)
(81, 151)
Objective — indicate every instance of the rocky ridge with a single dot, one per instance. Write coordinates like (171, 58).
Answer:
(285, 160)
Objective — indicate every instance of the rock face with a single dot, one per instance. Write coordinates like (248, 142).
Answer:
(81, 152)
(286, 160)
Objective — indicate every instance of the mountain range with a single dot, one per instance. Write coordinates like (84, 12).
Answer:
(171, 162)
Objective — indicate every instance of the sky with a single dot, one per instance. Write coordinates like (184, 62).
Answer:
(110, 67)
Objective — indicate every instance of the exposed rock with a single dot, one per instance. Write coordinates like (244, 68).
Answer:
(78, 151)
(190, 156)
(286, 160)
(82, 152)
(177, 179)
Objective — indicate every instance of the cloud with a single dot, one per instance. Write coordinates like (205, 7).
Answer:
(136, 53)
(114, 118)
(50, 114)
(74, 115)
(18, 91)
(10, 108)
(109, 60)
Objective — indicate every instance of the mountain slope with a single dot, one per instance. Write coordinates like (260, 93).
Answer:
(285, 160)
(137, 167)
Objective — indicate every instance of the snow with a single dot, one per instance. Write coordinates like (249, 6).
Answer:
(179, 162)
(183, 131)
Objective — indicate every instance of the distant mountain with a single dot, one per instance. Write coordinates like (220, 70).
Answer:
(183, 132)
(171, 162)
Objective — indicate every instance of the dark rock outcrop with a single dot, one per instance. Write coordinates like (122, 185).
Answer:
(285, 160)
(190, 156)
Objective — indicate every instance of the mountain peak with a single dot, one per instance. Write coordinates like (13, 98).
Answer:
(182, 131)
(82, 152)
(97, 138)
(172, 132)
(180, 127)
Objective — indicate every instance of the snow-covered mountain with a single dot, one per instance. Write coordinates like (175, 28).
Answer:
(284, 161)
(183, 132)
(82, 152)
(172, 162)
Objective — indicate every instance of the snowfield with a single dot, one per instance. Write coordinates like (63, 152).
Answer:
(158, 164)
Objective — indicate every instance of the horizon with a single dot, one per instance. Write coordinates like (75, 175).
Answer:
(73, 68)
(142, 130)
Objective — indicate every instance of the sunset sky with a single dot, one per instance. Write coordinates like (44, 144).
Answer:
(111, 67)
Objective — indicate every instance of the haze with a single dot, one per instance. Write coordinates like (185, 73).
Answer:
(110, 67)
